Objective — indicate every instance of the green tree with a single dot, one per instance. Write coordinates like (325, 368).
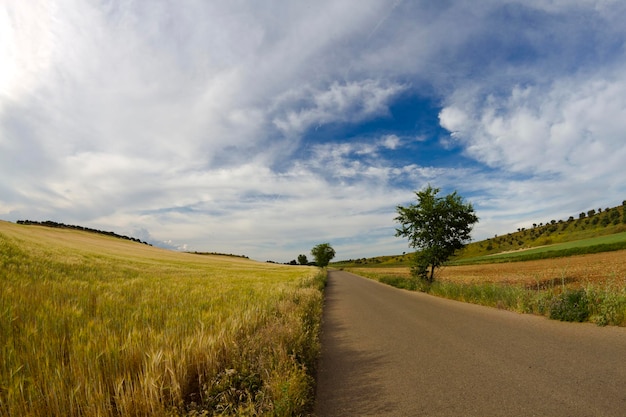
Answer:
(302, 260)
(435, 226)
(323, 253)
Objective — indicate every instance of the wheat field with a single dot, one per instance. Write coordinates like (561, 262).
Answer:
(97, 326)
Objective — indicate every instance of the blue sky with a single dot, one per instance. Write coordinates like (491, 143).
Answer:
(264, 128)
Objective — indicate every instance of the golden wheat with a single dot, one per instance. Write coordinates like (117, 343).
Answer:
(96, 326)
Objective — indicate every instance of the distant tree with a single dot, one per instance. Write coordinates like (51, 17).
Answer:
(435, 226)
(302, 260)
(591, 212)
(582, 215)
(323, 253)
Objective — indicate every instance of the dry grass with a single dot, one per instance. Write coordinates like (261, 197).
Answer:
(97, 326)
(531, 286)
(600, 269)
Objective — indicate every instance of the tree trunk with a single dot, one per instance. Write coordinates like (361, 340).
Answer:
(432, 274)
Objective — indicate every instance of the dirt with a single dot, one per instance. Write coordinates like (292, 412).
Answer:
(608, 268)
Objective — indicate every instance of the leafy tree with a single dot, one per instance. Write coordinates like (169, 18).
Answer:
(302, 260)
(323, 253)
(435, 226)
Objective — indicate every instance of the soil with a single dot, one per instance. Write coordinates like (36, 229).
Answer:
(608, 268)
(605, 268)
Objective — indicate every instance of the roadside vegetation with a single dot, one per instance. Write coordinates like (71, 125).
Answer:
(603, 230)
(517, 271)
(562, 297)
(97, 326)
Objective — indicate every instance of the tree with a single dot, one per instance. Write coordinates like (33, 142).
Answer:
(302, 260)
(435, 226)
(323, 253)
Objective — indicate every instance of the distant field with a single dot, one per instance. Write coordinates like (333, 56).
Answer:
(600, 268)
(97, 326)
(538, 287)
(597, 244)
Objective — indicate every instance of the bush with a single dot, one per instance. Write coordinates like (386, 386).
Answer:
(400, 282)
(570, 305)
(609, 306)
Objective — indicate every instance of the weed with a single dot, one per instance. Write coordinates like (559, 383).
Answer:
(608, 306)
(570, 305)
(401, 282)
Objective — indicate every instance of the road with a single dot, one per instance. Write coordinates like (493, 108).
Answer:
(390, 352)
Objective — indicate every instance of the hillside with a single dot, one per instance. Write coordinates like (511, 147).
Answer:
(95, 325)
(587, 226)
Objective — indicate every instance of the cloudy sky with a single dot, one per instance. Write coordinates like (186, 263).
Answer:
(265, 127)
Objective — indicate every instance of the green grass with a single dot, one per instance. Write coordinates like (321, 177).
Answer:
(96, 326)
(605, 231)
(580, 247)
(601, 304)
(602, 224)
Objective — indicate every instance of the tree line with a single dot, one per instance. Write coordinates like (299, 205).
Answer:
(322, 253)
(50, 223)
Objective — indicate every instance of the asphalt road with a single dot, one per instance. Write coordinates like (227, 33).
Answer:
(390, 352)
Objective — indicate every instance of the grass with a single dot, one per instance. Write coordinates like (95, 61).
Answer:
(604, 231)
(97, 326)
(599, 244)
(603, 303)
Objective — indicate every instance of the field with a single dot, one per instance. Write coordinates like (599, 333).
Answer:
(531, 286)
(597, 244)
(601, 269)
(98, 326)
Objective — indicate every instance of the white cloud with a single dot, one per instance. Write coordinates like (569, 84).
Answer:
(573, 128)
(350, 102)
(390, 142)
(195, 123)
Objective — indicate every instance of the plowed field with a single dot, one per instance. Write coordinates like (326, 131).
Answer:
(607, 267)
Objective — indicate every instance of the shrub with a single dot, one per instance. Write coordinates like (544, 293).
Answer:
(401, 282)
(570, 305)
(609, 306)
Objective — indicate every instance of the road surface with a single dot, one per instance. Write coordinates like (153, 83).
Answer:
(390, 352)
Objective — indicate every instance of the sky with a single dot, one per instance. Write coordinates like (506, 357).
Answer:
(265, 128)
